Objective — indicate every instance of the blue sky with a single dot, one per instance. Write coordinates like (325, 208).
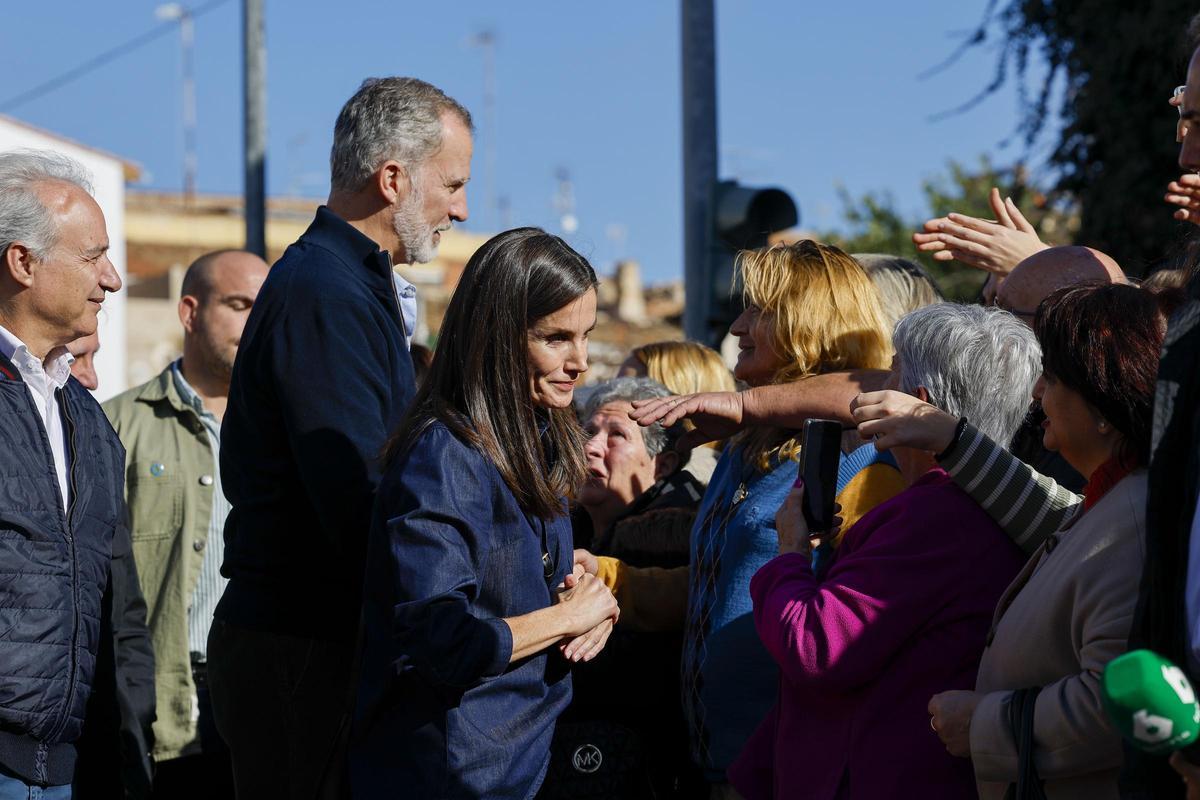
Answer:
(812, 96)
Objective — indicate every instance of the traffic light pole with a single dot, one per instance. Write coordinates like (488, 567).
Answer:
(254, 83)
(699, 163)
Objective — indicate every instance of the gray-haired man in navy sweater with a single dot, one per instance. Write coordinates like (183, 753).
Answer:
(322, 376)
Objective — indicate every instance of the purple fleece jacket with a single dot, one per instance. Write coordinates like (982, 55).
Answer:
(901, 615)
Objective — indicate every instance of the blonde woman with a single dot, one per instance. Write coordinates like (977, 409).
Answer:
(684, 368)
(810, 309)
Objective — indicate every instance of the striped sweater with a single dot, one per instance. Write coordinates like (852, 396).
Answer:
(1028, 505)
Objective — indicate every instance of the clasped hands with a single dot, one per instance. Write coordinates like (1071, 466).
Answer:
(592, 601)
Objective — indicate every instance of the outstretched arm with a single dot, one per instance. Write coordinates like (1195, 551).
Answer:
(1028, 505)
(719, 415)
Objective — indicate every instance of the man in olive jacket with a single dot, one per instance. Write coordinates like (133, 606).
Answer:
(171, 430)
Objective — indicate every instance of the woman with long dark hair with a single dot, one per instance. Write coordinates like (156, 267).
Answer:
(470, 550)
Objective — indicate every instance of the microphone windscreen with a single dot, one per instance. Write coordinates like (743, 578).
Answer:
(1151, 702)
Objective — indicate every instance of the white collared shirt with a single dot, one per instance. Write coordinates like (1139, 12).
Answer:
(41, 385)
(406, 294)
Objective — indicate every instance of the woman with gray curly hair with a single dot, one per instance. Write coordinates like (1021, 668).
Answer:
(630, 470)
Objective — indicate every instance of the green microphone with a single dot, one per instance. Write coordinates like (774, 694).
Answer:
(1151, 702)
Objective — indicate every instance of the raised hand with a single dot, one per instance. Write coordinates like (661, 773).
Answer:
(790, 525)
(716, 415)
(896, 419)
(1185, 193)
(993, 246)
(792, 528)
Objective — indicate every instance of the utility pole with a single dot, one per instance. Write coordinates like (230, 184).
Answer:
(564, 202)
(180, 13)
(720, 218)
(699, 162)
(485, 40)
(254, 86)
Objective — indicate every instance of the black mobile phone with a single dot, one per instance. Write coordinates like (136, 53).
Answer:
(820, 454)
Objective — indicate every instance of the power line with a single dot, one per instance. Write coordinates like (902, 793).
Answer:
(102, 59)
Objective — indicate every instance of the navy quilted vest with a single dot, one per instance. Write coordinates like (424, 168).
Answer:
(53, 570)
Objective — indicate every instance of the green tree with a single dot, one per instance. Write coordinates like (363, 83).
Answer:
(1115, 63)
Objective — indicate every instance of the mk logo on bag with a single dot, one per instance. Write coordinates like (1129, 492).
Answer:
(587, 758)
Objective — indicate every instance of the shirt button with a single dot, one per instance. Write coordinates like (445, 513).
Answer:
(198, 545)
(206, 480)
(1051, 543)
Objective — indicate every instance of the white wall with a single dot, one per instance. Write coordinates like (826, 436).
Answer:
(108, 179)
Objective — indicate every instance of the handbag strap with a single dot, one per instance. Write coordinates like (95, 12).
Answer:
(1029, 785)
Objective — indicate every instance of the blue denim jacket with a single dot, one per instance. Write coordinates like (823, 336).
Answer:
(440, 711)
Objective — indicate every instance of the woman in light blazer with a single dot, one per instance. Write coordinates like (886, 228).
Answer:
(1069, 611)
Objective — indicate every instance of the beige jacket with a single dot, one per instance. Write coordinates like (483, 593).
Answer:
(1066, 615)
(168, 456)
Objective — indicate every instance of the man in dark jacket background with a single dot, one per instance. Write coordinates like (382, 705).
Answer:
(119, 724)
(61, 497)
(322, 377)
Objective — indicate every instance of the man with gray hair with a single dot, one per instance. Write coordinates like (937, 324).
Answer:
(322, 376)
(61, 506)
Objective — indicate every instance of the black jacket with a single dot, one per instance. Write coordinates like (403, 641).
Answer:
(626, 701)
(114, 749)
(1160, 622)
(56, 569)
(322, 377)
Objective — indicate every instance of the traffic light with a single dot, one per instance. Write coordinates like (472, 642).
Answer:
(744, 218)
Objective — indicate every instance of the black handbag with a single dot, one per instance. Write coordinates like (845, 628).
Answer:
(1029, 785)
(597, 760)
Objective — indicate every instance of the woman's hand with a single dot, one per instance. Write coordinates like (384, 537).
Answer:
(582, 597)
(585, 605)
(716, 415)
(950, 717)
(587, 561)
(792, 527)
(1185, 193)
(896, 419)
(589, 645)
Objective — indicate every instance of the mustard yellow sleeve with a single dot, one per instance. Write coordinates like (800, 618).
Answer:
(652, 599)
(870, 487)
(609, 572)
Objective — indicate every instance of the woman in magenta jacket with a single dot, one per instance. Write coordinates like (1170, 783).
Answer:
(903, 611)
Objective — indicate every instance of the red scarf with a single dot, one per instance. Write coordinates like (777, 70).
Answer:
(1106, 476)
